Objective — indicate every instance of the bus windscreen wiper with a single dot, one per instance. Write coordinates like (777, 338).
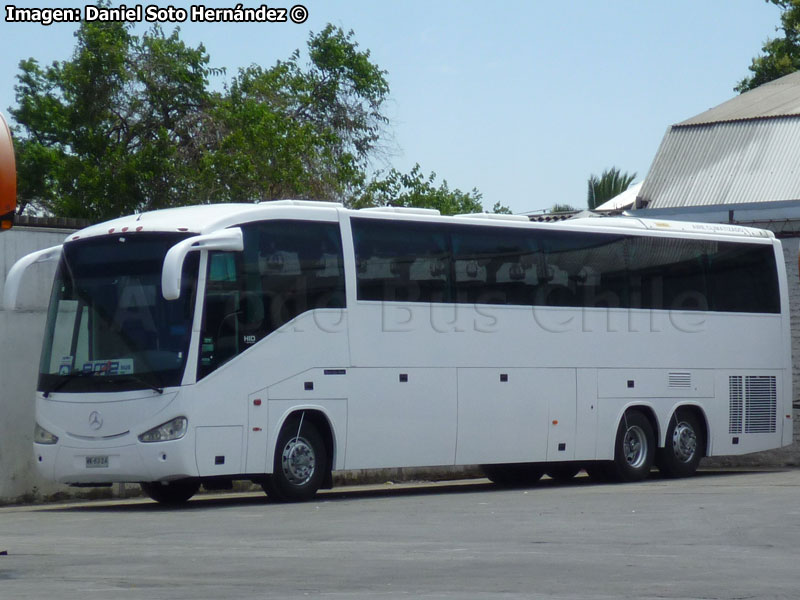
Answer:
(71, 376)
(77, 374)
(149, 384)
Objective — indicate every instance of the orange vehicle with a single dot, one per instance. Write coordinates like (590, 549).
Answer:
(8, 177)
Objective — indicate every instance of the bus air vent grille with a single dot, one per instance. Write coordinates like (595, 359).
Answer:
(680, 380)
(736, 404)
(762, 404)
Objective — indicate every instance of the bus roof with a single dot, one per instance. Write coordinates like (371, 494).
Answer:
(207, 218)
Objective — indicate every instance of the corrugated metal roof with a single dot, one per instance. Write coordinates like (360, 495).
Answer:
(778, 98)
(726, 163)
(621, 201)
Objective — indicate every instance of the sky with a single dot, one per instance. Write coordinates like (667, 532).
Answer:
(523, 100)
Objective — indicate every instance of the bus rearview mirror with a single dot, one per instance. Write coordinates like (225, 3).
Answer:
(18, 270)
(226, 239)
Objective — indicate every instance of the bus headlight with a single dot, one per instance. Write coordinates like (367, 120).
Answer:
(171, 430)
(42, 436)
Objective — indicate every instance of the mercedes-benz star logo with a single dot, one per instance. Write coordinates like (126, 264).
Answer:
(95, 420)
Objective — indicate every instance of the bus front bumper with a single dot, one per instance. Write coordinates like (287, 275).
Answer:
(135, 462)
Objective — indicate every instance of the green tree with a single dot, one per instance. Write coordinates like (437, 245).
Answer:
(295, 131)
(129, 124)
(413, 189)
(781, 55)
(114, 129)
(558, 208)
(611, 183)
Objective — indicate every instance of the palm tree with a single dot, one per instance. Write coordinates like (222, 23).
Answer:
(611, 183)
(557, 208)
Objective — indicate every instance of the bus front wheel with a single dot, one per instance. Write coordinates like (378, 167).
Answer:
(684, 446)
(171, 492)
(300, 463)
(634, 448)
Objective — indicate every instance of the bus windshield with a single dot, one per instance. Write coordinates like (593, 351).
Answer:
(108, 326)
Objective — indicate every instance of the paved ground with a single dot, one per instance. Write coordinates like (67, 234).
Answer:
(718, 535)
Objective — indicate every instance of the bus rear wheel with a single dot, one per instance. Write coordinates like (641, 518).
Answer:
(513, 475)
(171, 492)
(300, 463)
(684, 446)
(634, 448)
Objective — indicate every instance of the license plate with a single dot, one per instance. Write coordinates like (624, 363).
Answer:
(96, 462)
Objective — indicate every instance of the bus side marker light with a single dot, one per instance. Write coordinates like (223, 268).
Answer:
(630, 383)
(503, 377)
(257, 402)
(403, 377)
(308, 385)
(555, 421)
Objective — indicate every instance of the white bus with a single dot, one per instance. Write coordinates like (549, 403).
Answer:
(281, 341)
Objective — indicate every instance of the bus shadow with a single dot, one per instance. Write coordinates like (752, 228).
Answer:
(389, 489)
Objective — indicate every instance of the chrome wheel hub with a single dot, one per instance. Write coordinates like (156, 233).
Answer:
(684, 442)
(635, 446)
(298, 461)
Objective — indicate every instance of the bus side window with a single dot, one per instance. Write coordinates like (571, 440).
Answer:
(743, 278)
(494, 266)
(402, 261)
(218, 342)
(669, 273)
(285, 269)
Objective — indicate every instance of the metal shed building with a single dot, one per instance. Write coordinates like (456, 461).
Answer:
(736, 162)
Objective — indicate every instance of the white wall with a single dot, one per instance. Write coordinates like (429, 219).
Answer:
(21, 334)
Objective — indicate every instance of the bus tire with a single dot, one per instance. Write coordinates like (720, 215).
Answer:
(684, 445)
(634, 448)
(172, 492)
(300, 465)
(600, 471)
(513, 475)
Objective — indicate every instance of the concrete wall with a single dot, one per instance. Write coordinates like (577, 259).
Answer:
(21, 333)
